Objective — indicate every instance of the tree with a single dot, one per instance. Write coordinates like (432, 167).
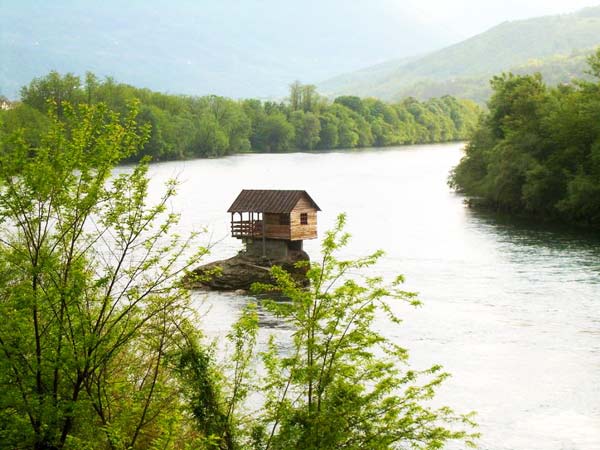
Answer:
(91, 87)
(343, 384)
(232, 120)
(23, 117)
(310, 98)
(329, 136)
(210, 140)
(515, 105)
(349, 134)
(274, 133)
(307, 129)
(295, 96)
(594, 63)
(155, 146)
(52, 89)
(352, 102)
(303, 97)
(92, 309)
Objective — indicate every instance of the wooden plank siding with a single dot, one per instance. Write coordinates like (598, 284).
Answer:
(295, 231)
(274, 230)
(299, 232)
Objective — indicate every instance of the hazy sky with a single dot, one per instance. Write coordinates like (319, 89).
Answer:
(236, 47)
(465, 18)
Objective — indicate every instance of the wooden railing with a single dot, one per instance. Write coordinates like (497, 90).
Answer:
(246, 228)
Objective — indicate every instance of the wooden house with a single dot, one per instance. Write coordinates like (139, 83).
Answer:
(273, 223)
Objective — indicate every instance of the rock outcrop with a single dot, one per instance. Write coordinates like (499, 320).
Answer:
(243, 270)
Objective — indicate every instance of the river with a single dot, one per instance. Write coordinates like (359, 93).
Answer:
(510, 308)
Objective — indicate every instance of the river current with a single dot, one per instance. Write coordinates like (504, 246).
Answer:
(510, 308)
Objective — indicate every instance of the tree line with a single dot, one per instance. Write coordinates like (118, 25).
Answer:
(212, 126)
(537, 150)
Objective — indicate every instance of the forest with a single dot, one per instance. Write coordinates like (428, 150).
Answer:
(213, 126)
(536, 152)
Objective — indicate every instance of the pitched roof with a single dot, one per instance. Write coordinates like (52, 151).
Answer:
(268, 201)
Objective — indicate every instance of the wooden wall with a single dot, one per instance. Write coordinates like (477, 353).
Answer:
(295, 231)
(274, 230)
(299, 231)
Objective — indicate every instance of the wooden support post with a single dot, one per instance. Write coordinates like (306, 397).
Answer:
(264, 235)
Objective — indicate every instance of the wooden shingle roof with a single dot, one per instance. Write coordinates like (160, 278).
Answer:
(269, 201)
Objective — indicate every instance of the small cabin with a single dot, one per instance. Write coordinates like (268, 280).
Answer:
(273, 222)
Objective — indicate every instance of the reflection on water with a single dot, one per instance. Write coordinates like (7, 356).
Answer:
(511, 308)
(549, 243)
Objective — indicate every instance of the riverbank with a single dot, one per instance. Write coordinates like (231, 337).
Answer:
(537, 151)
(528, 218)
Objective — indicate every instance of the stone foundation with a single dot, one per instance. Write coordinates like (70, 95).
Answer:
(273, 248)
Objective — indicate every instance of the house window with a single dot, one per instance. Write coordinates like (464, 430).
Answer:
(284, 219)
(303, 218)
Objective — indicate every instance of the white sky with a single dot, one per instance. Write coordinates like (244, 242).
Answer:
(465, 18)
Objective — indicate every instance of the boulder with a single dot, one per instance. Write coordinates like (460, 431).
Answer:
(243, 270)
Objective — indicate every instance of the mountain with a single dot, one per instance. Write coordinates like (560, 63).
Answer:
(555, 45)
(250, 48)
(555, 69)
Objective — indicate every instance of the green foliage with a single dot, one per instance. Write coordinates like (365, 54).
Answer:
(32, 122)
(201, 388)
(274, 133)
(213, 126)
(52, 89)
(351, 102)
(536, 151)
(594, 63)
(307, 129)
(90, 298)
(343, 384)
(329, 135)
(304, 97)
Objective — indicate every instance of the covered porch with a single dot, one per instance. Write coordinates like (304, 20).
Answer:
(247, 225)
